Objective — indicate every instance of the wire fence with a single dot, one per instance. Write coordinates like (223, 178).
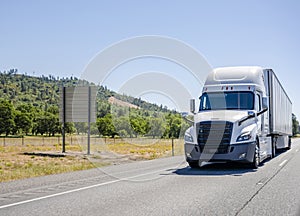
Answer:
(75, 140)
(79, 144)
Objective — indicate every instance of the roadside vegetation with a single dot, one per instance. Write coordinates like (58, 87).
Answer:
(295, 126)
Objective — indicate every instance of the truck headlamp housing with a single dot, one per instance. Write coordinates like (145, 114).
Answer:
(188, 138)
(244, 137)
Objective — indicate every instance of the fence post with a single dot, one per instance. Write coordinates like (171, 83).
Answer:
(172, 146)
(22, 140)
(3, 141)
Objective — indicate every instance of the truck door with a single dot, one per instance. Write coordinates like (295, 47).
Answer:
(261, 125)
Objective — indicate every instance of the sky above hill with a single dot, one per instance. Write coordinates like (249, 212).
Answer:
(61, 38)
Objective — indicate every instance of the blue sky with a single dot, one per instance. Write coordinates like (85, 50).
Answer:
(61, 37)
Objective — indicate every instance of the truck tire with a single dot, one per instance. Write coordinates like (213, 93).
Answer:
(273, 149)
(194, 164)
(290, 144)
(256, 160)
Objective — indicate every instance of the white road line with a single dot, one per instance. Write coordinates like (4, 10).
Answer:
(283, 162)
(80, 189)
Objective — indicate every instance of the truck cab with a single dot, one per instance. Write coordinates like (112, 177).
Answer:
(232, 122)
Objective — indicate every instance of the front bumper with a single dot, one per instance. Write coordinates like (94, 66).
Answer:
(243, 152)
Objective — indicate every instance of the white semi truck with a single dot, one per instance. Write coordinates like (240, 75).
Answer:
(244, 116)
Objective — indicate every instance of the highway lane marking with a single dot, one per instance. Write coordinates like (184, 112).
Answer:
(80, 189)
(283, 162)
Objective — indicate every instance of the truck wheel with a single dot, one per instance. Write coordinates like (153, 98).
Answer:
(273, 149)
(290, 144)
(256, 159)
(194, 164)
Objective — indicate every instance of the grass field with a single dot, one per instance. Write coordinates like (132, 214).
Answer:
(14, 164)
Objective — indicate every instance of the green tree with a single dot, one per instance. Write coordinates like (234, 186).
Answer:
(94, 129)
(123, 124)
(52, 123)
(81, 127)
(53, 109)
(106, 126)
(23, 122)
(103, 108)
(295, 124)
(139, 125)
(6, 117)
(70, 127)
(46, 123)
(26, 108)
(175, 127)
(157, 127)
(40, 124)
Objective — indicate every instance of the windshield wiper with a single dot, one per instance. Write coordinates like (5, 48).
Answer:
(251, 115)
(246, 118)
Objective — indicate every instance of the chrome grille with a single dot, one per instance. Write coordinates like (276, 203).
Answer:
(214, 136)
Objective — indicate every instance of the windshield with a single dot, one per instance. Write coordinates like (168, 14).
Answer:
(227, 101)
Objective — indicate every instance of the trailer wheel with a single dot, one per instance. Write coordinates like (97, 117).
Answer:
(273, 149)
(256, 159)
(194, 164)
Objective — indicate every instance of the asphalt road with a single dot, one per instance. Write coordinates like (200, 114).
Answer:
(162, 187)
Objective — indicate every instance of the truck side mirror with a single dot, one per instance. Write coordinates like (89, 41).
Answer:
(264, 106)
(265, 103)
(192, 105)
(185, 115)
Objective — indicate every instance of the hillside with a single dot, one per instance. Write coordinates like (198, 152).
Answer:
(29, 105)
(115, 101)
(44, 91)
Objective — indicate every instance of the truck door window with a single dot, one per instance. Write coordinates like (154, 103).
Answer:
(258, 102)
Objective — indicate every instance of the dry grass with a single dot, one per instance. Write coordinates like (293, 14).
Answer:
(161, 148)
(15, 165)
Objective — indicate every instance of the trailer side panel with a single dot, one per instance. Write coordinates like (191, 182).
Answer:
(280, 106)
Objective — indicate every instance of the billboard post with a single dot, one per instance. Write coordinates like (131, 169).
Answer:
(78, 104)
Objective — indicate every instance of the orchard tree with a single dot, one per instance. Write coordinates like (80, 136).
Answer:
(81, 127)
(23, 122)
(69, 127)
(139, 125)
(46, 123)
(6, 117)
(123, 127)
(175, 127)
(52, 124)
(40, 124)
(106, 126)
(157, 127)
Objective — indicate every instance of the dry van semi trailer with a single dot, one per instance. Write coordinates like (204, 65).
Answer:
(244, 116)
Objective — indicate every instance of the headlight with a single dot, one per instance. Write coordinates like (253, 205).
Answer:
(188, 138)
(244, 137)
